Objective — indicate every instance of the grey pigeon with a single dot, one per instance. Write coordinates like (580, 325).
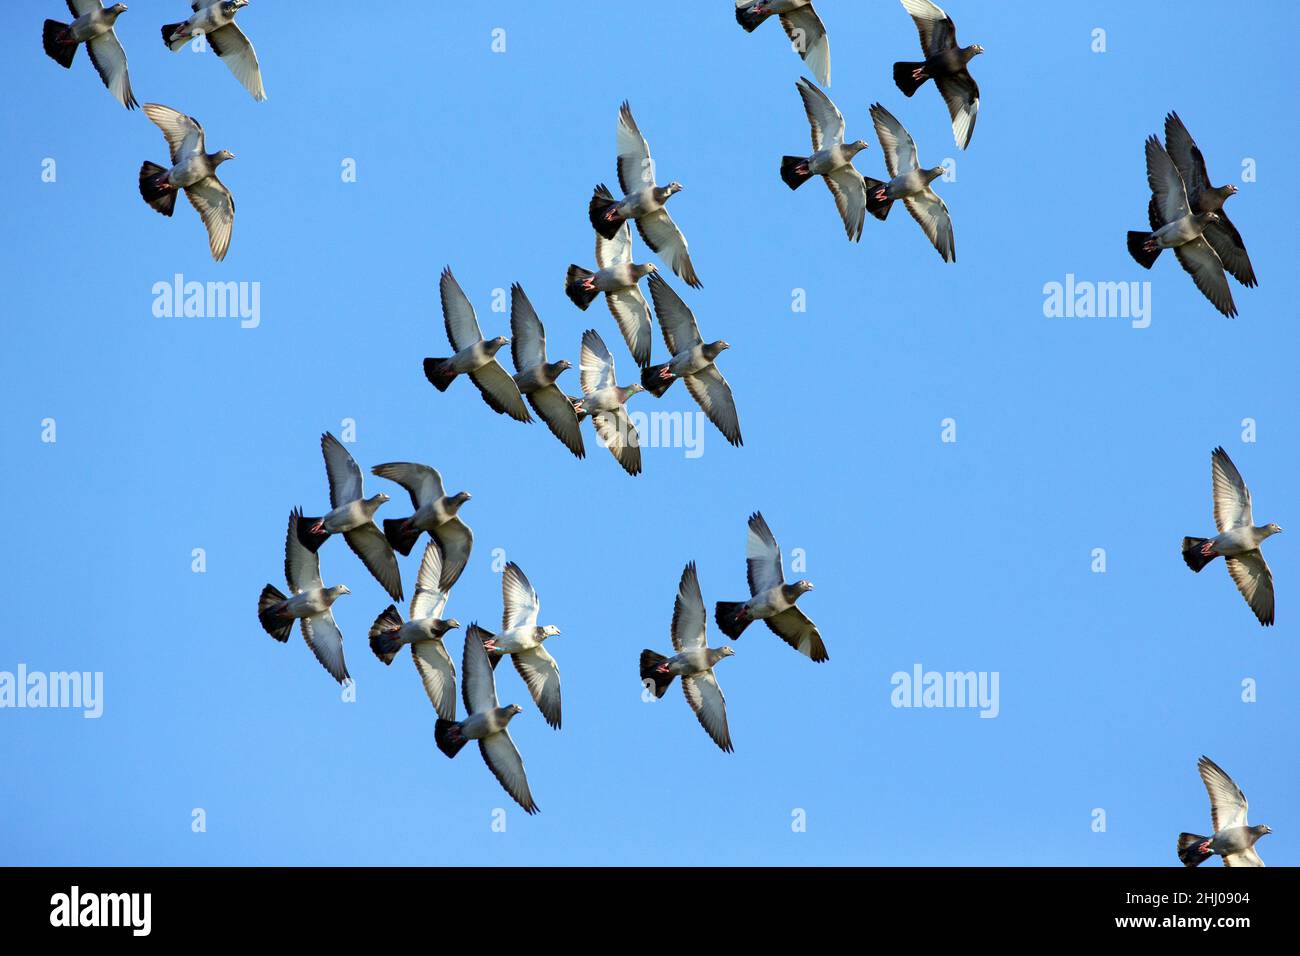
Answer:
(693, 662)
(194, 170)
(353, 515)
(1174, 225)
(603, 400)
(909, 183)
(310, 603)
(474, 357)
(215, 21)
(424, 633)
(832, 159)
(521, 638)
(93, 26)
(486, 723)
(1238, 539)
(772, 600)
(536, 377)
(946, 63)
(435, 512)
(642, 200)
(805, 29)
(1222, 236)
(1234, 838)
(617, 277)
(692, 361)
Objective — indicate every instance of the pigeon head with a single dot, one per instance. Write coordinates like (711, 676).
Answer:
(550, 630)
(513, 709)
(858, 146)
(803, 587)
(1271, 529)
(450, 624)
(461, 498)
(932, 174)
(221, 156)
(632, 390)
(642, 271)
(337, 591)
(726, 650)
(378, 499)
(556, 369)
(976, 49)
(495, 345)
(117, 9)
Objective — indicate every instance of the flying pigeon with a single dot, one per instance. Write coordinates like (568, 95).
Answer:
(692, 361)
(832, 159)
(353, 516)
(617, 278)
(773, 599)
(474, 356)
(946, 63)
(194, 170)
(693, 662)
(486, 723)
(642, 200)
(93, 26)
(1222, 236)
(1234, 838)
(310, 603)
(521, 637)
(603, 399)
(1175, 226)
(536, 377)
(424, 633)
(1238, 539)
(435, 513)
(215, 21)
(910, 183)
(802, 25)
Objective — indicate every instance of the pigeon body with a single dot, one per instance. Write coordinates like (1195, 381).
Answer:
(1202, 197)
(536, 377)
(92, 25)
(946, 63)
(643, 201)
(771, 600)
(474, 356)
(693, 662)
(603, 400)
(1238, 539)
(309, 602)
(215, 20)
(423, 633)
(831, 159)
(910, 183)
(1233, 838)
(802, 25)
(435, 512)
(617, 277)
(521, 638)
(194, 170)
(353, 516)
(692, 361)
(1174, 225)
(487, 723)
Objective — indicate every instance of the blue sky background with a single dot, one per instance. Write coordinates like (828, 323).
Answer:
(1073, 434)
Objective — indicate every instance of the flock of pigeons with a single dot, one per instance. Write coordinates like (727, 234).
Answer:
(1186, 215)
(353, 515)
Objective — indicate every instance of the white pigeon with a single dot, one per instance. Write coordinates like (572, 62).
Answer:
(521, 638)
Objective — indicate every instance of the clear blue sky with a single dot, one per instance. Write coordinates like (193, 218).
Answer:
(1073, 434)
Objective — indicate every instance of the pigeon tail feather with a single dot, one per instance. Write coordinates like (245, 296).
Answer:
(730, 619)
(651, 675)
(602, 203)
(438, 373)
(903, 77)
(58, 45)
(575, 290)
(1189, 849)
(382, 641)
(401, 535)
(652, 383)
(877, 207)
(1192, 553)
(443, 737)
(1136, 243)
(160, 199)
(790, 171)
(270, 599)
